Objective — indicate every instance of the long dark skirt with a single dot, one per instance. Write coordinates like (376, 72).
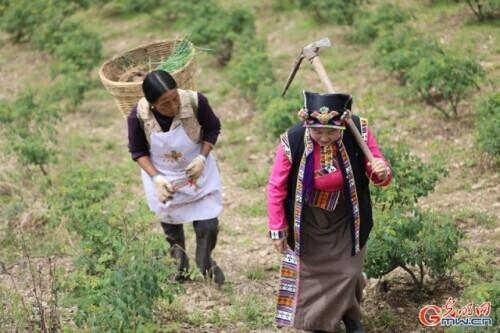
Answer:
(330, 281)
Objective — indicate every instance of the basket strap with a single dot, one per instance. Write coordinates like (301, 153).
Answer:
(193, 98)
(147, 120)
(187, 117)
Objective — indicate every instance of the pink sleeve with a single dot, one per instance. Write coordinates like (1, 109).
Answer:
(373, 146)
(277, 191)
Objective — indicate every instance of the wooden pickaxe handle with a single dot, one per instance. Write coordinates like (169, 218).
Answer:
(320, 69)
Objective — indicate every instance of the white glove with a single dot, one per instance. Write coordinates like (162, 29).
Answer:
(195, 168)
(164, 190)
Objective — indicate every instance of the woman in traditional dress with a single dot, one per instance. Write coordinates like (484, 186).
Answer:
(171, 132)
(320, 215)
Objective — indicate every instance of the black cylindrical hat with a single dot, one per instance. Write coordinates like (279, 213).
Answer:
(325, 110)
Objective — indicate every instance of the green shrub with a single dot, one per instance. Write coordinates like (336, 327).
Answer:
(70, 42)
(47, 24)
(478, 293)
(19, 18)
(87, 3)
(68, 90)
(282, 5)
(81, 47)
(211, 26)
(488, 125)
(332, 11)
(121, 268)
(23, 18)
(443, 80)
(80, 199)
(3, 6)
(412, 179)
(30, 129)
(279, 115)
(408, 239)
(268, 90)
(30, 109)
(134, 7)
(218, 29)
(484, 9)
(30, 150)
(81, 189)
(121, 299)
(369, 24)
(30, 120)
(186, 10)
(400, 50)
(422, 239)
(476, 264)
(251, 66)
(241, 22)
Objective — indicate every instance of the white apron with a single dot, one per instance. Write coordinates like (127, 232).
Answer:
(171, 152)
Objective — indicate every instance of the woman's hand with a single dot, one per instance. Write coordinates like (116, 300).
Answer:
(280, 245)
(164, 190)
(379, 167)
(195, 168)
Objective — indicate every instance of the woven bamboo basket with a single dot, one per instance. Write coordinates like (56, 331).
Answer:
(127, 94)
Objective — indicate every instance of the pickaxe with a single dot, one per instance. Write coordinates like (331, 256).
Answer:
(310, 52)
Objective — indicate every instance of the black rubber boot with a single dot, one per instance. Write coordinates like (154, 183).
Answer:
(175, 237)
(352, 325)
(215, 273)
(206, 239)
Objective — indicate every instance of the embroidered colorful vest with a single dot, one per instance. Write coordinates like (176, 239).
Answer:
(328, 164)
(187, 116)
(356, 192)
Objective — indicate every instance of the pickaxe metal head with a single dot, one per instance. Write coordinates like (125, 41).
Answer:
(309, 51)
(294, 70)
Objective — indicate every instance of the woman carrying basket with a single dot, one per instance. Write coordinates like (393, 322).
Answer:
(320, 215)
(171, 132)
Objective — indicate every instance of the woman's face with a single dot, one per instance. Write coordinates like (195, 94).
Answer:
(168, 103)
(325, 136)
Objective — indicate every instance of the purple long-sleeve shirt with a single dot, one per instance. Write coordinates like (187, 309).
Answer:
(138, 144)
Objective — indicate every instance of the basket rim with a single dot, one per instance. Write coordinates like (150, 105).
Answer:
(116, 83)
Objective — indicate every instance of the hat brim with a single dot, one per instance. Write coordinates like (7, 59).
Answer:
(324, 126)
